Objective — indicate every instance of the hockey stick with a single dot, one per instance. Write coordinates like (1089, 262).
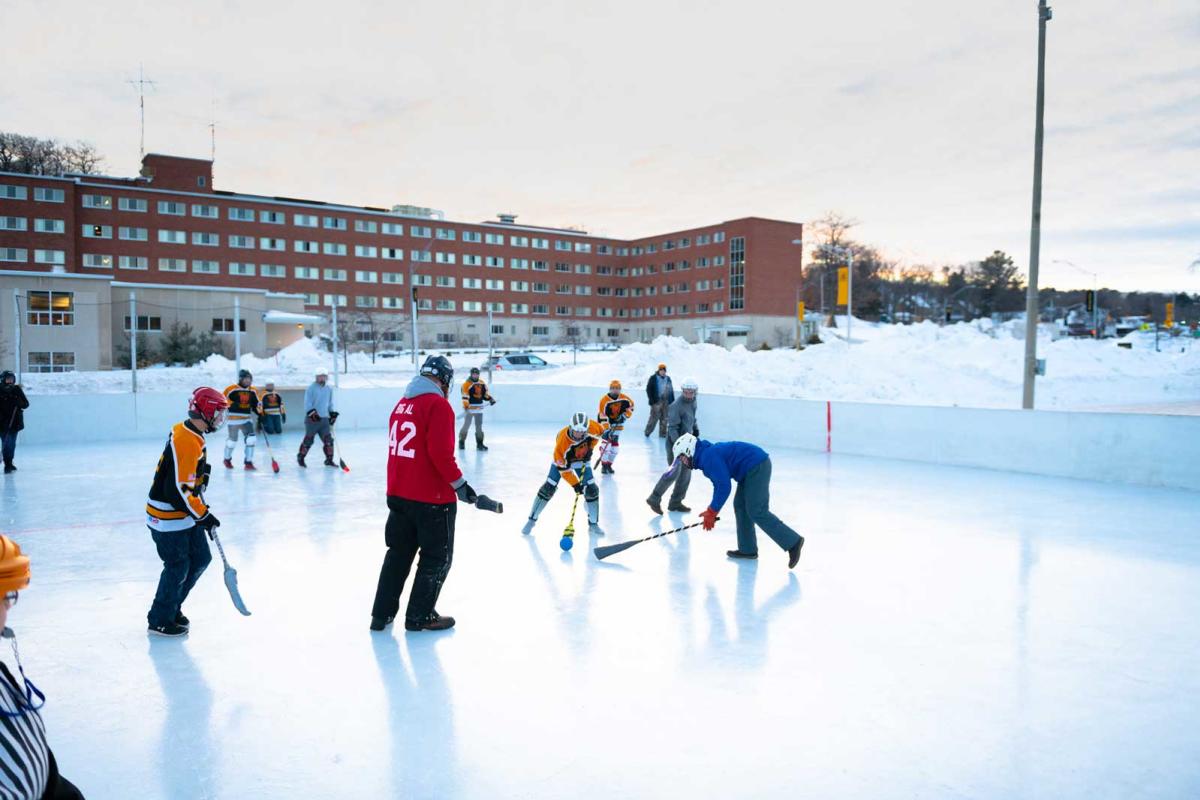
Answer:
(230, 577)
(271, 453)
(568, 538)
(338, 448)
(609, 549)
(600, 451)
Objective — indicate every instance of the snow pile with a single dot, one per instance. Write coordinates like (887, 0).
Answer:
(968, 364)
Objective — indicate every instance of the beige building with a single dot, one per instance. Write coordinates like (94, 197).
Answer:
(60, 322)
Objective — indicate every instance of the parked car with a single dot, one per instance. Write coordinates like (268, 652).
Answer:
(516, 361)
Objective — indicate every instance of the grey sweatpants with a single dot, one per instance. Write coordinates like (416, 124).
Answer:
(751, 504)
(658, 413)
(468, 416)
(681, 477)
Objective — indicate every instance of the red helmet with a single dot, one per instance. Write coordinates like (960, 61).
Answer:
(209, 405)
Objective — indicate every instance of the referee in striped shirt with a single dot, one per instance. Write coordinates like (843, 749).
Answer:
(27, 767)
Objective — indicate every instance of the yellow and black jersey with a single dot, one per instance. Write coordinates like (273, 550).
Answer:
(176, 498)
(243, 403)
(570, 455)
(272, 403)
(474, 394)
(615, 412)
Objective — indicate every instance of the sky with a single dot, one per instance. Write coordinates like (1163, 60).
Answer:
(638, 118)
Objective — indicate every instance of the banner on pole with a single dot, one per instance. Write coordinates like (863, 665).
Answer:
(800, 311)
(1170, 320)
(843, 286)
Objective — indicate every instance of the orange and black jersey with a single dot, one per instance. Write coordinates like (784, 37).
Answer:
(615, 411)
(272, 403)
(243, 402)
(570, 455)
(176, 498)
(474, 394)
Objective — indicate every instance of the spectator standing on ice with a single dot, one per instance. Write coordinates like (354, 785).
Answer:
(319, 418)
(660, 394)
(423, 485)
(750, 466)
(681, 419)
(28, 770)
(12, 417)
(274, 414)
(474, 394)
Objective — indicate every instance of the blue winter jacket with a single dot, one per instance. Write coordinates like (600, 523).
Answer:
(725, 461)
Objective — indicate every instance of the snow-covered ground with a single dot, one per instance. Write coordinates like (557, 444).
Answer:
(937, 640)
(924, 364)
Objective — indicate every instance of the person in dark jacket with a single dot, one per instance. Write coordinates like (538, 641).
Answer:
(660, 393)
(423, 484)
(274, 415)
(12, 417)
(681, 419)
(750, 466)
(28, 770)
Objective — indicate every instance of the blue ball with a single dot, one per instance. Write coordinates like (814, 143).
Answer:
(567, 542)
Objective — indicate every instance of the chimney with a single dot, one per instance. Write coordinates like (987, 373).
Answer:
(507, 219)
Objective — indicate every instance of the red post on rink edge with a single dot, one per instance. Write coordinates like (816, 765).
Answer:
(828, 427)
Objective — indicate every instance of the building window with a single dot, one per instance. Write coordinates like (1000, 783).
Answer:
(241, 242)
(333, 248)
(51, 308)
(446, 234)
(225, 325)
(49, 226)
(205, 239)
(393, 277)
(339, 299)
(737, 273)
(497, 330)
(393, 303)
(392, 254)
(518, 286)
(518, 263)
(718, 261)
(97, 231)
(172, 237)
(272, 217)
(422, 280)
(272, 270)
(493, 261)
(495, 285)
(304, 220)
(13, 223)
(446, 305)
(9, 191)
(365, 302)
(497, 308)
(100, 201)
(173, 209)
(306, 273)
(133, 262)
(172, 265)
(541, 330)
(366, 226)
(240, 268)
(242, 214)
(333, 223)
(54, 257)
(420, 255)
(445, 338)
(208, 212)
(540, 244)
(146, 324)
(562, 311)
(366, 277)
(335, 274)
(306, 246)
(444, 281)
(97, 261)
(518, 241)
(267, 243)
(472, 306)
(425, 304)
(719, 237)
(583, 247)
(472, 236)
(133, 234)
(562, 288)
(444, 258)
(200, 181)
(51, 362)
(541, 266)
(583, 269)
(703, 238)
(206, 267)
(366, 251)
(421, 231)
(393, 229)
(43, 195)
(562, 246)
(540, 308)
(562, 266)
(541, 288)
(472, 261)
(520, 308)
(493, 238)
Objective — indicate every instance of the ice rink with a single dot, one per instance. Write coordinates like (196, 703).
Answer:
(949, 633)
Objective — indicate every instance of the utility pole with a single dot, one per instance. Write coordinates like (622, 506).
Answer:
(333, 303)
(1035, 228)
(141, 83)
(489, 358)
(133, 329)
(237, 332)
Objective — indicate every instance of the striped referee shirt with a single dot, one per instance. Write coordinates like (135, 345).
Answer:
(24, 754)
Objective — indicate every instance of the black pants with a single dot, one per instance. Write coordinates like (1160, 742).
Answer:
(411, 527)
(8, 446)
(185, 556)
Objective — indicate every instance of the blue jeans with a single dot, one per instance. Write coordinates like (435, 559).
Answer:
(8, 445)
(751, 507)
(185, 556)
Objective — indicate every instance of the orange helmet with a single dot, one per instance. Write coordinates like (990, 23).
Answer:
(614, 386)
(14, 567)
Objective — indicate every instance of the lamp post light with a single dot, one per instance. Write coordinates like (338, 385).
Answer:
(799, 292)
(1035, 228)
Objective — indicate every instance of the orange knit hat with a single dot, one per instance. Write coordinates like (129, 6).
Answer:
(14, 567)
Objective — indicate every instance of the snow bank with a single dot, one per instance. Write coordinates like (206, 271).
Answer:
(966, 364)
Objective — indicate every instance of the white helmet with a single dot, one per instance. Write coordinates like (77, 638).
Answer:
(690, 385)
(579, 426)
(685, 445)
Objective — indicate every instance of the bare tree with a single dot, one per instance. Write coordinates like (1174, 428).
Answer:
(34, 156)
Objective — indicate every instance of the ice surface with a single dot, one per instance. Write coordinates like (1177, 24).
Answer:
(948, 633)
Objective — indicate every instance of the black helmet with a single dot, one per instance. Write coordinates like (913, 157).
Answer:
(438, 367)
(8, 373)
(243, 374)
(474, 370)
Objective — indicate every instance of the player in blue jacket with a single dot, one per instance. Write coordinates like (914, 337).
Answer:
(750, 466)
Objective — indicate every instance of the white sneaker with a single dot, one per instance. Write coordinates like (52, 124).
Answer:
(528, 528)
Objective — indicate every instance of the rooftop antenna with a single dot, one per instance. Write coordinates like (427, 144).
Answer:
(141, 83)
(212, 129)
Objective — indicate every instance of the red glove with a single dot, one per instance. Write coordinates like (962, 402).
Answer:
(709, 517)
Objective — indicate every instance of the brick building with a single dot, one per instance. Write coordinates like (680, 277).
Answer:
(732, 282)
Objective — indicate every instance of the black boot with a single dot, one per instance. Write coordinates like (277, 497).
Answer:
(170, 629)
(654, 504)
(379, 623)
(462, 444)
(794, 554)
(300, 459)
(678, 507)
(740, 554)
(479, 445)
(182, 621)
(434, 622)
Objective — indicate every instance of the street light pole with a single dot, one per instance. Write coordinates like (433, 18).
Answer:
(1035, 230)
(849, 254)
(799, 291)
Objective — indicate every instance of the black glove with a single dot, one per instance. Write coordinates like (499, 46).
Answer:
(313, 416)
(207, 523)
(283, 419)
(466, 493)
(333, 417)
(491, 401)
(696, 431)
(579, 488)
